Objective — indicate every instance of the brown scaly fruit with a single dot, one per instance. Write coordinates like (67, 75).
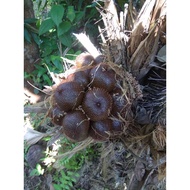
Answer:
(68, 96)
(80, 77)
(97, 104)
(75, 126)
(100, 129)
(84, 59)
(117, 127)
(102, 76)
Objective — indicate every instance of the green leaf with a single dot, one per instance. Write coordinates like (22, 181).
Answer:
(67, 187)
(38, 23)
(57, 12)
(57, 187)
(39, 67)
(34, 172)
(27, 75)
(70, 173)
(74, 180)
(71, 13)
(77, 174)
(57, 62)
(67, 178)
(63, 28)
(47, 51)
(40, 73)
(63, 181)
(66, 39)
(70, 184)
(46, 25)
(36, 38)
(78, 52)
(79, 16)
(47, 79)
(27, 35)
(62, 173)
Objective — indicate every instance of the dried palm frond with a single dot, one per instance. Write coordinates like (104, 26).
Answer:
(144, 39)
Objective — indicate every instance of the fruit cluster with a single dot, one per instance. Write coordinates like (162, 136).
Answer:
(89, 102)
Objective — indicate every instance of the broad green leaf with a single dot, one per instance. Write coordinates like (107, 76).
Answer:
(78, 52)
(36, 38)
(57, 62)
(39, 67)
(40, 73)
(66, 39)
(55, 57)
(47, 51)
(79, 16)
(71, 13)
(57, 12)
(63, 28)
(46, 25)
(27, 35)
(47, 46)
(47, 79)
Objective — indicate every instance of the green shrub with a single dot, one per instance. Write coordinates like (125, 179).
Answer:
(53, 33)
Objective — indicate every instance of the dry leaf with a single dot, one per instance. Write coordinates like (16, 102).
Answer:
(139, 170)
(32, 136)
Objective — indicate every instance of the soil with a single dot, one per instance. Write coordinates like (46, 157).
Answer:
(116, 168)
